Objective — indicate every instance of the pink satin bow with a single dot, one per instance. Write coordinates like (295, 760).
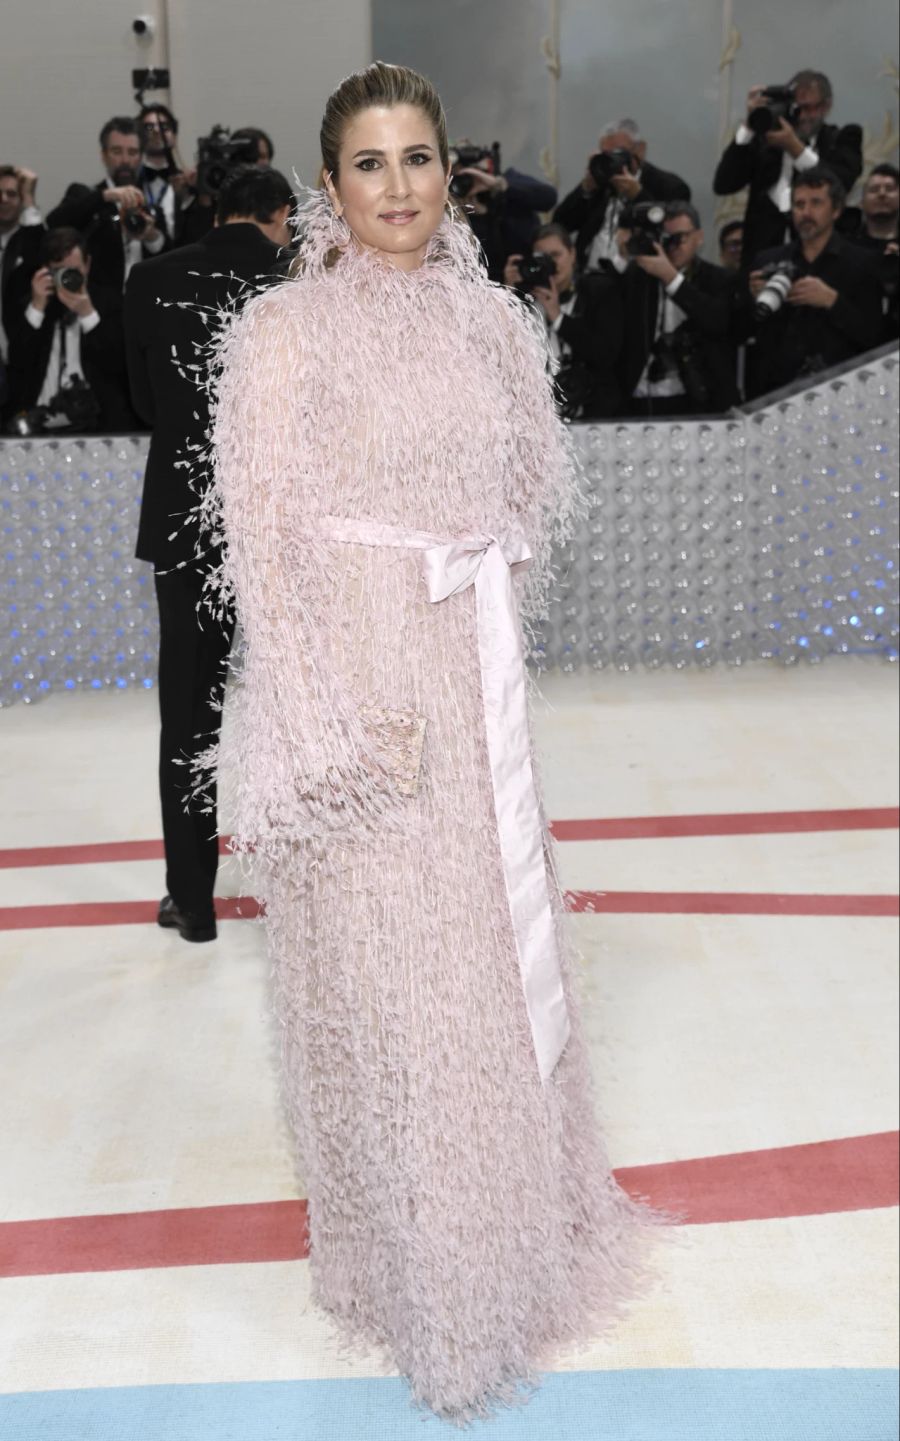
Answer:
(487, 563)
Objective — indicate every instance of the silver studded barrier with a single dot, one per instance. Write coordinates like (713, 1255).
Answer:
(769, 534)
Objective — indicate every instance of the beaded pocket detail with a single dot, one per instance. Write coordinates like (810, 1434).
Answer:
(398, 738)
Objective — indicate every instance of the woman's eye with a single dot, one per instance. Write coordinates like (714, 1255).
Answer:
(368, 164)
(419, 159)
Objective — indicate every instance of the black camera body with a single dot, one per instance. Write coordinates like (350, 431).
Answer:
(645, 221)
(780, 106)
(607, 163)
(75, 401)
(469, 156)
(537, 271)
(68, 279)
(217, 156)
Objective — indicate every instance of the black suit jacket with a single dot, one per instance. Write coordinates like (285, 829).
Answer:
(801, 339)
(593, 334)
(585, 212)
(220, 268)
(84, 208)
(758, 166)
(20, 261)
(102, 358)
(708, 298)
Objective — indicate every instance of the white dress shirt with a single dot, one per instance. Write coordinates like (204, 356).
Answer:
(64, 363)
(603, 246)
(780, 193)
(669, 316)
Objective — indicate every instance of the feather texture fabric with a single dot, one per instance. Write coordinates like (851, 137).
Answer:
(463, 1215)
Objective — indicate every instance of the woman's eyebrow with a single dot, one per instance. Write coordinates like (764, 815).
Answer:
(406, 151)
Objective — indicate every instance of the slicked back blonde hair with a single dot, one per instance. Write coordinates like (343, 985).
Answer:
(379, 84)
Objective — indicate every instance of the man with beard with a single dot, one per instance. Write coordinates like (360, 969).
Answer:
(768, 161)
(113, 216)
(874, 226)
(832, 310)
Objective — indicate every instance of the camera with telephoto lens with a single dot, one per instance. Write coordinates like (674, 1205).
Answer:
(779, 277)
(779, 106)
(645, 221)
(678, 353)
(134, 222)
(537, 271)
(468, 156)
(75, 404)
(69, 279)
(608, 163)
(217, 156)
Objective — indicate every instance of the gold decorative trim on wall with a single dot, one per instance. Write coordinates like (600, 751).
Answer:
(550, 49)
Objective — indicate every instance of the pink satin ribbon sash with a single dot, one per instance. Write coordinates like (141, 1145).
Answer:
(487, 563)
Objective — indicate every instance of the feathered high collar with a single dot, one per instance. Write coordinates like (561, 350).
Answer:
(327, 247)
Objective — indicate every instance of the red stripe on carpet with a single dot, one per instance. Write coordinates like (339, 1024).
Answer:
(112, 913)
(752, 823)
(726, 903)
(85, 855)
(623, 828)
(141, 1240)
(671, 903)
(859, 1173)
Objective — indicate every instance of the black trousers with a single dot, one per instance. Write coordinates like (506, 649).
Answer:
(193, 650)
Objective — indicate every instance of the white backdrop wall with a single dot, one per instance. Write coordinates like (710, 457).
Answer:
(271, 63)
(656, 60)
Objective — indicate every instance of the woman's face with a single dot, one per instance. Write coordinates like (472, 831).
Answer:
(391, 187)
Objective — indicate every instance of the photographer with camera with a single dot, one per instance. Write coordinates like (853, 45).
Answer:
(618, 175)
(164, 342)
(785, 133)
(818, 300)
(874, 226)
(502, 205)
(583, 316)
(67, 354)
(678, 356)
(119, 224)
(21, 230)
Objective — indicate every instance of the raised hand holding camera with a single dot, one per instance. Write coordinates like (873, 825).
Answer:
(42, 288)
(811, 290)
(658, 265)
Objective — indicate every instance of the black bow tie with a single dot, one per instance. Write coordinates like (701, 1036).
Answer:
(148, 174)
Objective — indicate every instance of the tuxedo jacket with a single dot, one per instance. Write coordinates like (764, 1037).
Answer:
(758, 166)
(161, 338)
(708, 298)
(593, 334)
(102, 357)
(84, 208)
(585, 213)
(20, 261)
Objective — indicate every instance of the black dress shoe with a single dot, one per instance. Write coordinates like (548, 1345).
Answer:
(189, 927)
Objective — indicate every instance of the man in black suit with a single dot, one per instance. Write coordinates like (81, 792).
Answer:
(67, 351)
(115, 216)
(163, 339)
(21, 230)
(875, 225)
(618, 174)
(833, 309)
(767, 162)
(584, 319)
(678, 356)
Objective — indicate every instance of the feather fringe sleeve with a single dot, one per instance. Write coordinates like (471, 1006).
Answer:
(295, 759)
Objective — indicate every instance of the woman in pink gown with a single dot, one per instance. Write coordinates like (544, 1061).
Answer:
(389, 477)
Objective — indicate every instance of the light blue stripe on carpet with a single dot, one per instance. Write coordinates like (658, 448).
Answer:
(810, 1405)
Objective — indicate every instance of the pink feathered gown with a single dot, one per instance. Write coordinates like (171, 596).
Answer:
(462, 1211)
